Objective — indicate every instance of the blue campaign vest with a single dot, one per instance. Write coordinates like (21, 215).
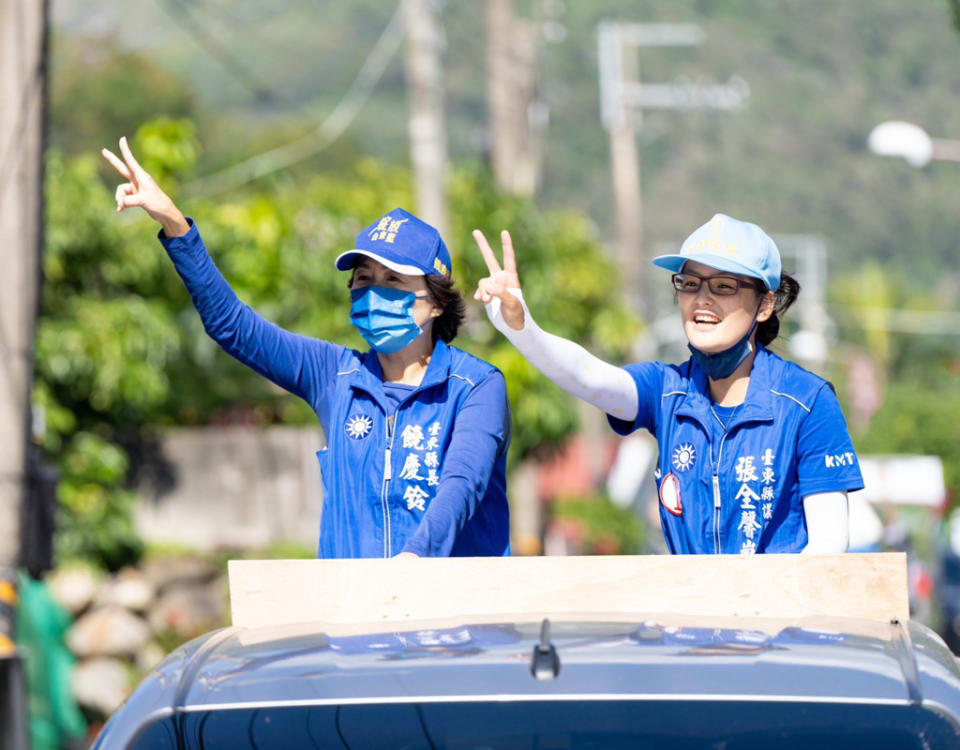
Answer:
(380, 470)
(740, 490)
(401, 453)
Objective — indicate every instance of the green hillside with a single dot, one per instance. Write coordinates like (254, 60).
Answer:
(821, 74)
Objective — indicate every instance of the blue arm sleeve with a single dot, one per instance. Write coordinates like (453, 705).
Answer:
(826, 460)
(296, 363)
(481, 434)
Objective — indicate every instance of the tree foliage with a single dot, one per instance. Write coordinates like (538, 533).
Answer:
(794, 159)
(99, 88)
(599, 527)
(919, 421)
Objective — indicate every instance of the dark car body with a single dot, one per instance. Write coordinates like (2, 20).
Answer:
(563, 684)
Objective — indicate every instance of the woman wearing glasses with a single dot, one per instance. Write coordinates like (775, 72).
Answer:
(754, 450)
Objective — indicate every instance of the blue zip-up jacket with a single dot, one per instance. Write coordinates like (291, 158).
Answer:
(739, 487)
(427, 477)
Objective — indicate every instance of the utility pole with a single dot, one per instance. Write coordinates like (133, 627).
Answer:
(622, 101)
(428, 138)
(622, 126)
(515, 116)
(22, 96)
(23, 47)
(513, 122)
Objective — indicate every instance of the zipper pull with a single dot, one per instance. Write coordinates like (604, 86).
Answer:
(387, 468)
(716, 491)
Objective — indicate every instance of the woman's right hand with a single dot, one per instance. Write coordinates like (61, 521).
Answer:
(141, 191)
(501, 280)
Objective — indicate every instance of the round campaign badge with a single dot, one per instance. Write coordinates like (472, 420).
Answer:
(670, 494)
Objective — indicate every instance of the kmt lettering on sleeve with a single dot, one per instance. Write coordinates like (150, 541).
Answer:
(834, 460)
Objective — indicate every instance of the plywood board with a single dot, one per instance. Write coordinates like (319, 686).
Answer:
(397, 591)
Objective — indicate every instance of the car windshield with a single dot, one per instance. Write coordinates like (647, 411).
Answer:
(557, 725)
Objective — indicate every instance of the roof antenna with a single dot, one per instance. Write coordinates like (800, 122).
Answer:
(545, 664)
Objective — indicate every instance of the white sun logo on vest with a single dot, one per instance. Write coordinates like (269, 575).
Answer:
(359, 426)
(684, 457)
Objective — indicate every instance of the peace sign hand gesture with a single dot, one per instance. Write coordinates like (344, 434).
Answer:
(141, 191)
(498, 284)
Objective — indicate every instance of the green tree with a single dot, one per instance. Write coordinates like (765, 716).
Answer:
(919, 421)
(102, 348)
(604, 528)
(97, 89)
(570, 284)
(894, 326)
(870, 298)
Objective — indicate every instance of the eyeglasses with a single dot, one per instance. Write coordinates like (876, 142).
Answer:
(723, 286)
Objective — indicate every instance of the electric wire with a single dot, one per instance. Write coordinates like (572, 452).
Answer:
(331, 128)
(187, 19)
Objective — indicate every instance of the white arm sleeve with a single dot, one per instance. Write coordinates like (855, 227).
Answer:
(569, 365)
(828, 527)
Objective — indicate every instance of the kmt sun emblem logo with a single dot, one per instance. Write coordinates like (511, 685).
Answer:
(684, 457)
(359, 426)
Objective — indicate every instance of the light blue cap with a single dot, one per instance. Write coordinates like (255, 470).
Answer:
(729, 244)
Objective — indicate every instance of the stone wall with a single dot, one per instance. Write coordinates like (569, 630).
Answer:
(124, 624)
(233, 488)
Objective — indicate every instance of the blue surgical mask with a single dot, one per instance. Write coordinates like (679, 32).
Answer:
(384, 317)
(722, 364)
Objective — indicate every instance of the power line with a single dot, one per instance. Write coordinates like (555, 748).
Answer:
(899, 320)
(326, 133)
(186, 17)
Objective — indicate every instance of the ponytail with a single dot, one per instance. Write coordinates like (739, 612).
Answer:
(785, 296)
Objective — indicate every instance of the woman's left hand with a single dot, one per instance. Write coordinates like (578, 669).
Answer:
(501, 280)
(141, 191)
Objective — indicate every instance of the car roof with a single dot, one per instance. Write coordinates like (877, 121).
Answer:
(816, 659)
(841, 661)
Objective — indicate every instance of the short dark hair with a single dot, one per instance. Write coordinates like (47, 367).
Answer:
(785, 296)
(448, 298)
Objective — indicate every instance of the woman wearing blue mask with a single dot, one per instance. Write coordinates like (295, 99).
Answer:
(754, 450)
(417, 431)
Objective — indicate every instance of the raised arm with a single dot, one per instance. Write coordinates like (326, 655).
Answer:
(141, 191)
(566, 363)
(301, 365)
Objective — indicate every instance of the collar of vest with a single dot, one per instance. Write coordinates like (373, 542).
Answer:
(369, 377)
(757, 407)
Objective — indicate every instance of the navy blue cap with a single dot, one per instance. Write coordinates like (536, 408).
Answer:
(401, 242)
